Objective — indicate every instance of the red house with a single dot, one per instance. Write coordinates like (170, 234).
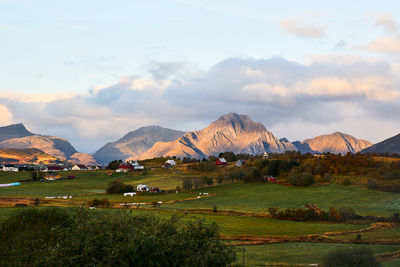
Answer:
(126, 167)
(54, 168)
(270, 179)
(221, 161)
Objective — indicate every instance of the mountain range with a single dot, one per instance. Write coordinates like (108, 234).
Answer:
(16, 136)
(230, 132)
(240, 134)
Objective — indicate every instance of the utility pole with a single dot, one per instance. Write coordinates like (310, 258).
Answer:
(243, 250)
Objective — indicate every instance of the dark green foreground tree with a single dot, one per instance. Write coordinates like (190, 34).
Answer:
(358, 257)
(57, 237)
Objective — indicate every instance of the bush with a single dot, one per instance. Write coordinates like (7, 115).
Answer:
(103, 203)
(205, 166)
(372, 184)
(347, 181)
(113, 165)
(79, 237)
(358, 257)
(119, 187)
(301, 179)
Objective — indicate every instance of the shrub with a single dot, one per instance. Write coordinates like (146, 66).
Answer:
(113, 165)
(103, 203)
(301, 179)
(79, 237)
(347, 181)
(372, 184)
(187, 184)
(119, 187)
(358, 257)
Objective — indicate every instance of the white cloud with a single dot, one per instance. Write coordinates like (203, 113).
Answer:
(298, 27)
(385, 44)
(277, 92)
(387, 22)
(5, 115)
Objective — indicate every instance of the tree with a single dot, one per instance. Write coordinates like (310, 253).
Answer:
(301, 179)
(357, 257)
(118, 186)
(113, 165)
(187, 184)
(81, 237)
(36, 202)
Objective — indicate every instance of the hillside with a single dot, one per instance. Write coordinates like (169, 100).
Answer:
(26, 155)
(54, 146)
(231, 132)
(335, 143)
(13, 131)
(390, 145)
(135, 143)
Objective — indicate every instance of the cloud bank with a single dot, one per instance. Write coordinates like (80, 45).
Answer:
(293, 100)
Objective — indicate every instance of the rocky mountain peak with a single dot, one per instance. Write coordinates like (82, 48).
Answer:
(238, 123)
(13, 131)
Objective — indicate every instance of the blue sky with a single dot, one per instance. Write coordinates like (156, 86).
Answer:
(61, 50)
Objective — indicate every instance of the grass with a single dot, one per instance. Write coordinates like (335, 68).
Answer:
(390, 233)
(263, 227)
(300, 253)
(90, 182)
(256, 197)
(238, 225)
(86, 182)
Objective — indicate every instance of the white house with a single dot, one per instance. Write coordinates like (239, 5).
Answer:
(171, 162)
(135, 163)
(138, 168)
(142, 187)
(79, 167)
(265, 155)
(10, 168)
(240, 163)
(129, 194)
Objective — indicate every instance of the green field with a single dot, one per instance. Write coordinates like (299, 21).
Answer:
(299, 253)
(256, 197)
(86, 182)
(253, 199)
(390, 233)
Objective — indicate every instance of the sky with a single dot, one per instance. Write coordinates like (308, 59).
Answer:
(91, 71)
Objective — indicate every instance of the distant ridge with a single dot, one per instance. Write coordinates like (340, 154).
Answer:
(390, 145)
(135, 143)
(334, 143)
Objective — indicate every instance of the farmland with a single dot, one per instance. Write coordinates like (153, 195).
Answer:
(240, 208)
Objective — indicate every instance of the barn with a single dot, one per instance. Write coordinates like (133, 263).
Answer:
(221, 161)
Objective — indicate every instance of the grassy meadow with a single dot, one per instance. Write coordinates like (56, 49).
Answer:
(250, 200)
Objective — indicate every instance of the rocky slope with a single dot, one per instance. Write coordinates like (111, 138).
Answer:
(17, 136)
(231, 132)
(27, 155)
(13, 131)
(390, 145)
(135, 143)
(82, 158)
(335, 143)
(54, 146)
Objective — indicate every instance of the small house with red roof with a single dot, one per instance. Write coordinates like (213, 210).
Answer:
(221, 161)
